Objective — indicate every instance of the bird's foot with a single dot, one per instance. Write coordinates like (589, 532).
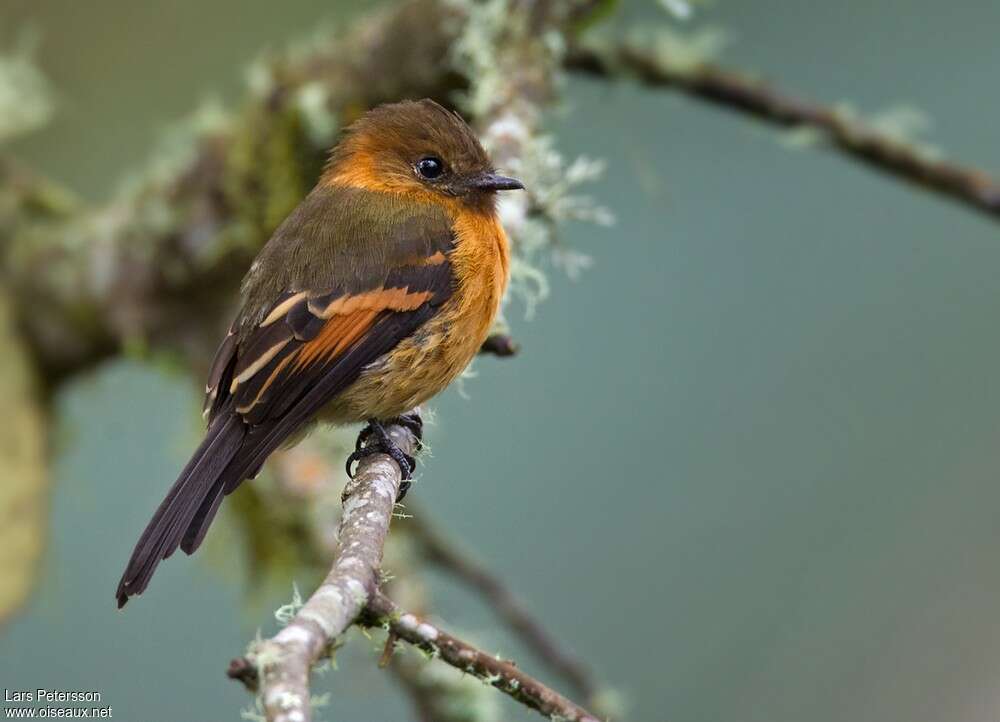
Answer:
(411, 422)
(374, 439)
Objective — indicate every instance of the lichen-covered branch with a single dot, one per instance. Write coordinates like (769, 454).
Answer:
(499, 673)
(512, 54)
(284, 662)
(279, 668)
(842, 130)
(158, 266)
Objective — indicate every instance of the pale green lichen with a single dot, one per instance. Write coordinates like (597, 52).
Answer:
(609, 703)
(286, 612)
(491, 679)
(254, 712)
(260, 653)
(288, 700)
(429, 651)
(551, 180)
(680, 9)
(902, 124)
(267, 176)
(259, 77)
(313, 102)
(681, 51)
(554, 201)
(318, 701)
(683, 10)
(474, 52)
(358, 593)
(26, 98)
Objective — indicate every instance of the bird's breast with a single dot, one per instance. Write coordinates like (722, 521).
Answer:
(425, 363)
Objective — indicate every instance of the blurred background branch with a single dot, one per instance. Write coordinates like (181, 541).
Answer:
(654, 65)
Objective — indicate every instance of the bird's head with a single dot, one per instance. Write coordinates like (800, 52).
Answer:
(418, 148)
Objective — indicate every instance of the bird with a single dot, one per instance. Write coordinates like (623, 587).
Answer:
(371, 297)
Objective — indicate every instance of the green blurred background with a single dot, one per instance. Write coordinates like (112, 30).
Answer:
(746, 466)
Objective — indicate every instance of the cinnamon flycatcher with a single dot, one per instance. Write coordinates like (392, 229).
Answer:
(369, 299)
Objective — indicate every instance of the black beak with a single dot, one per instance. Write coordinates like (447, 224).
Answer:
(494, 182)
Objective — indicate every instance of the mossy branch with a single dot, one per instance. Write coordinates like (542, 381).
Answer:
(159, 265)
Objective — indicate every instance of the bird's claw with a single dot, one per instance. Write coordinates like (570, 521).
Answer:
(411, 422)
(414, 424)
(374, 439)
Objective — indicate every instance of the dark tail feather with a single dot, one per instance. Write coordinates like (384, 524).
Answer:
(245, 465)
(233, 451)
(254, 452)
(190, 505)
(257, 446)
(198, 527)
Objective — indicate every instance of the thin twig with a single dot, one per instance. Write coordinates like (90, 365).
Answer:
(735, 91)
(437, 550)
(436, 697)
(502, 674)
(283, 663)
(387, 651)
(500, 344)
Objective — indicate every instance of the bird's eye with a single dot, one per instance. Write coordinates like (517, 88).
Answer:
(430, 167)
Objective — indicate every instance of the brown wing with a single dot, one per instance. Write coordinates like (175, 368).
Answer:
(307, 349)
(291, 352)
(304, 352)
(305, 336)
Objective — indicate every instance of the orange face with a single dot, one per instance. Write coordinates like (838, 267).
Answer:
(416, 148)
